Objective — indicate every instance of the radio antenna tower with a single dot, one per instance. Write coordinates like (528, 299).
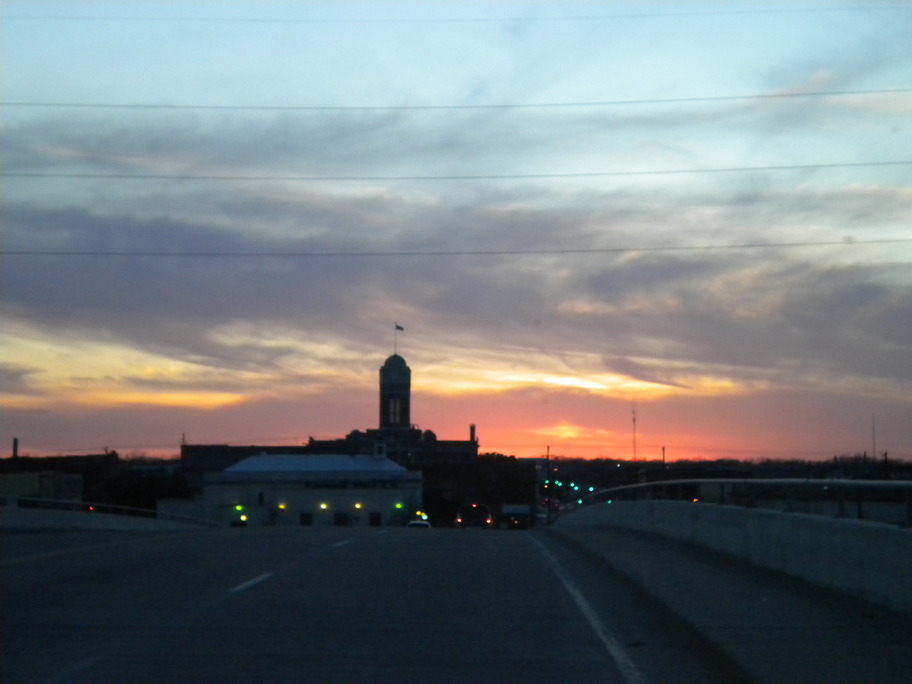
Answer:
(633, 409)
(873, 437)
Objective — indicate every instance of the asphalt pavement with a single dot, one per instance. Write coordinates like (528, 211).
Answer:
(402, 605)
(328, 605)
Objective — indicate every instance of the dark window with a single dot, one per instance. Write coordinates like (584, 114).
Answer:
(394, 406)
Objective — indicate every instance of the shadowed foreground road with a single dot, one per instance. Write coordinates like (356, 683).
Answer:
(327, 605)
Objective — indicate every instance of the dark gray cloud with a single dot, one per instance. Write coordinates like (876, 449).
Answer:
(747, 308)
(14, 379)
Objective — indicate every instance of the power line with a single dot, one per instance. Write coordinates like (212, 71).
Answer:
(450, 253)
(461, 20)
(530, 105)
(453, 177)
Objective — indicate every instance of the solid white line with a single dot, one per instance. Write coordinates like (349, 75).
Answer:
(342, 543)
(629, 671)
(251, 582)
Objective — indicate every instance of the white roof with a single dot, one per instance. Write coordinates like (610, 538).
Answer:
(316, 464)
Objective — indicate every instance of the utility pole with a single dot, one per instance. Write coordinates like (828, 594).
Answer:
(633, 409)
(548, 483)
(873, 438)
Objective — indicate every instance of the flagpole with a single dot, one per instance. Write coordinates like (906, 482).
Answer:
(396, 329)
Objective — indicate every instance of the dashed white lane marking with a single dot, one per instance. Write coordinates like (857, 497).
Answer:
(249, 583)
(629, 671)
(342, 543)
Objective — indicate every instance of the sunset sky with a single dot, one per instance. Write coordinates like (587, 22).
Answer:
(213, 213)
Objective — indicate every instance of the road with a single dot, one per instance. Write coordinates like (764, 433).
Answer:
(328, 605)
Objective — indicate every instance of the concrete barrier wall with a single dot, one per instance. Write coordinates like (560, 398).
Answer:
(869, 560)
(14, 518)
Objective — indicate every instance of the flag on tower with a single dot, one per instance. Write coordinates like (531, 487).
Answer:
(398, 327)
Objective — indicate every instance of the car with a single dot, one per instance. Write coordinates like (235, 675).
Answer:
(474, 515)
(418, 523)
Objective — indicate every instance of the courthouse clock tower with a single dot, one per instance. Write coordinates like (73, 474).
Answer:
(395, 390)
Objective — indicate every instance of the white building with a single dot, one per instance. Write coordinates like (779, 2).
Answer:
(313, 489)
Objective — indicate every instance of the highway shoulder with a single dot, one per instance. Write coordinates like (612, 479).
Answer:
(773, 627)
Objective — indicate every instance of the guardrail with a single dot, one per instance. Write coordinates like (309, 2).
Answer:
(92, 508)
(884, 501)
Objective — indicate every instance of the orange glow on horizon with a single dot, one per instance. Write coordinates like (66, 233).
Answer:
(522, 401)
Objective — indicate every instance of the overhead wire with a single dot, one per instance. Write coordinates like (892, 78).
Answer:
(448, 107)
(656, 13)
(431, 107)
(846, 242)
(451, 177)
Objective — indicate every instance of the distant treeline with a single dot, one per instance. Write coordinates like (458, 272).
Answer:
(605, 473)
(140, 481)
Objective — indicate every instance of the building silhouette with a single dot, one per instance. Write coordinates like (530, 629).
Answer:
(395, 438)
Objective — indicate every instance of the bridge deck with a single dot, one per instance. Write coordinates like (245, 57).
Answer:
(772, 628)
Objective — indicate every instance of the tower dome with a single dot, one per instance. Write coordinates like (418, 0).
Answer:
(395, 360)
